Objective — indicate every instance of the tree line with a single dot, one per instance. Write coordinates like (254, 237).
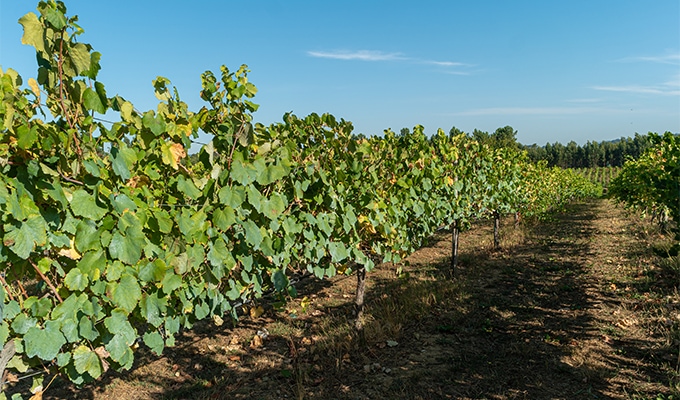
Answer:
(607, 153)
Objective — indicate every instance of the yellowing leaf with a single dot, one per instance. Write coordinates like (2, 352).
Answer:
(173, 154)
(70, 252)
(126, 110)
(138, 181)
(256, 312)
(342, 268)
(34, 87)
(304, 303)
(184, 128)
(33, 31)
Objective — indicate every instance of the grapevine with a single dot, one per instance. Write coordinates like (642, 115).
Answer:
(112, 235)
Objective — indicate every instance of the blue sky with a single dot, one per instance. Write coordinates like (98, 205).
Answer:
(554, 70)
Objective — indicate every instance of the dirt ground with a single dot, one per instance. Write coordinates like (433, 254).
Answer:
(576, 307)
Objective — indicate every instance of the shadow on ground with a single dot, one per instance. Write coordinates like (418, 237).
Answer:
(526, 322)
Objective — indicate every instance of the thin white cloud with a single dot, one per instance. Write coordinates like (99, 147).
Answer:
(534, 111)
(362, 55)
(375, 55)
(445, 63)
(450, 72)
(664, 59)
(673, 82)
(595, 100)
(667, 90)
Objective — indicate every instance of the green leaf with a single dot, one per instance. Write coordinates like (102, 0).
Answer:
(123, 158)
(41, 307)
(92, 100)
(245, 174)
(80, 58)
(253, 234)
(114, 270)
(280, 280)
(87, 361)
(172, 325)
(92, 168)
(84, 204)
(232, 196)
(121, 203)
(87, 236)
(75, 280)
(11, 310)
(255, 198)
(202, 310)
(187, 187)
(22, 323)
(274, 207)
(4, 332)
(86, 329)
(196, 256)
(290, 225)
(217, 256)
(152, 307)
(128, 248)
(95, 56)
(70, 331)
(92, 263)
(224, 218)
(153, 271)
(191, 224)
(164, 221)
(155, 123)
(155, 342)
(171, 282)
(271, 174)
(67, 310)
(26, 136)
(338, 251)
(323, 221)
(119, 347)
(31, 233)
(44, 343)
(124, 335)
(33, 31)
(126, 293)
(17, 363)
(22, 207)
(55, 17)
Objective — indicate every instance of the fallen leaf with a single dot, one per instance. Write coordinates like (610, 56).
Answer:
(103, 355)
(256, 312)
(256, 342)
(37, 393)
(11, 378)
